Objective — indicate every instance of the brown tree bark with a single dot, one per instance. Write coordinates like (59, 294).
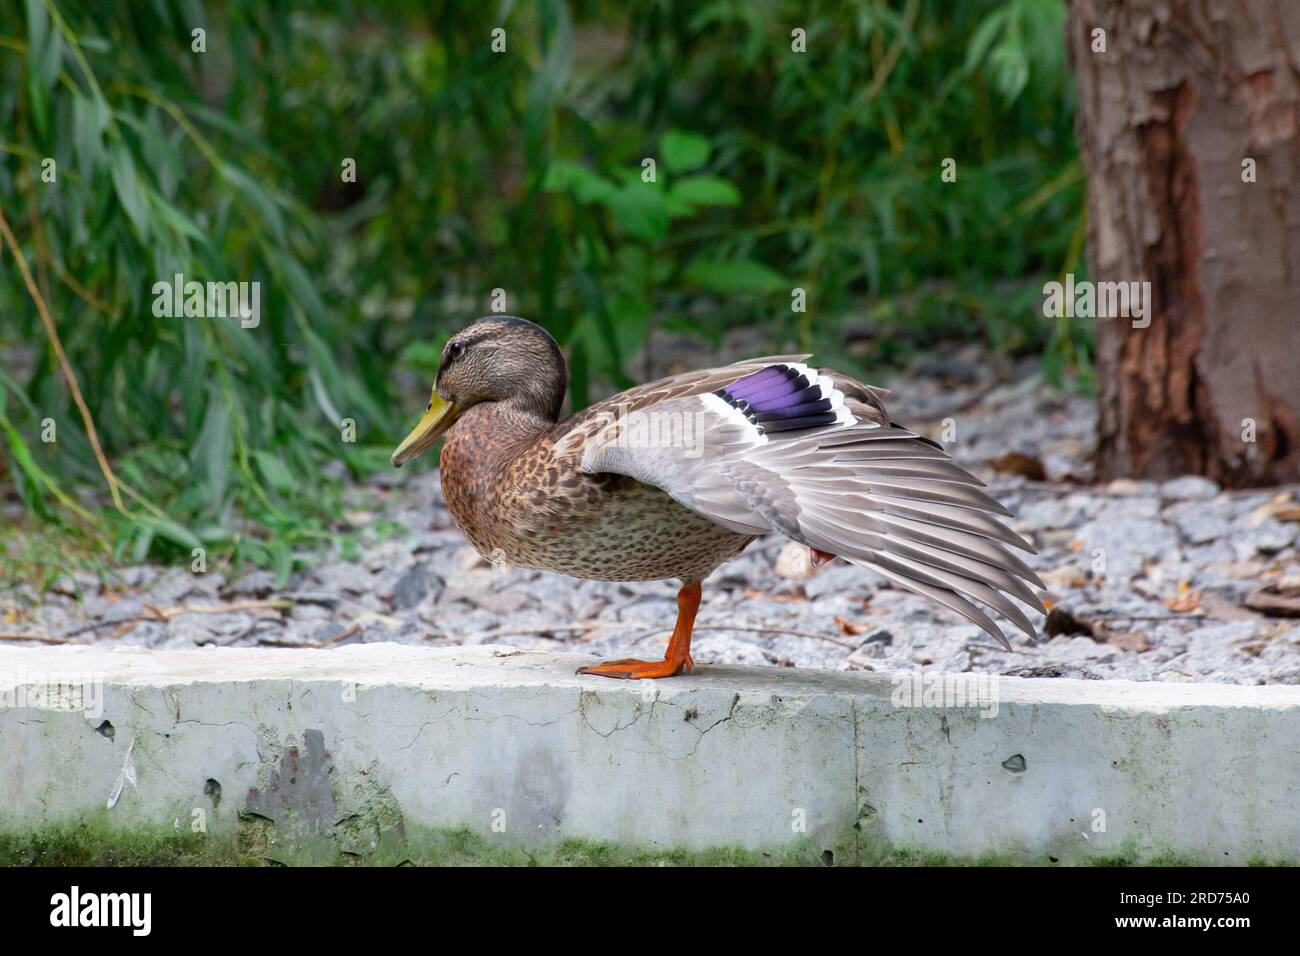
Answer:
(1185, 91)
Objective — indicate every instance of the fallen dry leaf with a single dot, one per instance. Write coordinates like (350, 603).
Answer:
(783, 597)
(1067, 576)
(1018, 463)
(1186, 602)
(850, 628)
(1219, 608)
(1269, 602)
(1124, 640)
(1281, 507)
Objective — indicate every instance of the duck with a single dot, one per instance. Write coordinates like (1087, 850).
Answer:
(671, 479)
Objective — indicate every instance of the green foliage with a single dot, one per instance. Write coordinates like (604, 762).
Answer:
(526, 170)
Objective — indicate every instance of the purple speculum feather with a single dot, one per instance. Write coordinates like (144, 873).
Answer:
(779, 398)
(772, 375)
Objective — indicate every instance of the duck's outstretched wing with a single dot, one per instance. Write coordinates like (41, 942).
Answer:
(812, 453)
(571, 435)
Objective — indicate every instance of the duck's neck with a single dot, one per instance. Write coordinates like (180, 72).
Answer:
(476, 460)
(487, 436)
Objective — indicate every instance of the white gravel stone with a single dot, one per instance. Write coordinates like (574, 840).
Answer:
(1189, 487)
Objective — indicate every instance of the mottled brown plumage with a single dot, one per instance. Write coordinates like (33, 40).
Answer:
(672, 478)
(516, 498)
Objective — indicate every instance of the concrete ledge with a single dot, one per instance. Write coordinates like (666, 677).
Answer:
(379, 751)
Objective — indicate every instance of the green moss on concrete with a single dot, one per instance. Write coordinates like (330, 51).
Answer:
(464, 847)
(257, 842)
(1130, 855)
(898, 856)
(1130, 858)
(91, 844)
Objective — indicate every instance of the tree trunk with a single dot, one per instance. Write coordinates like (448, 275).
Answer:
(1185, 92)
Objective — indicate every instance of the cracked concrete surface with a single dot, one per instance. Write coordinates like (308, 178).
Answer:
(366, 742)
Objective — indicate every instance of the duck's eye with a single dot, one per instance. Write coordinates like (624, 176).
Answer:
(455, 349)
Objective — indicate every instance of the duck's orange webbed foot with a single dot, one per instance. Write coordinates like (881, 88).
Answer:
(678, 658)
(629, 668)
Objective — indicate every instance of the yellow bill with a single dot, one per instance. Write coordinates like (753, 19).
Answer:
(436, 420)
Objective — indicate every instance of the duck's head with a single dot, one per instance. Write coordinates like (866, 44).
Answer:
(499, 358)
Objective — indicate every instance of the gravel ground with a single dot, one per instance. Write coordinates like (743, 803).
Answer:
(1175, 581)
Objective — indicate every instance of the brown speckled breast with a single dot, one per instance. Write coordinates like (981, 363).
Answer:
(508, 489)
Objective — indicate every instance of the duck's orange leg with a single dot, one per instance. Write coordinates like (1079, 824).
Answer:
(677, 660)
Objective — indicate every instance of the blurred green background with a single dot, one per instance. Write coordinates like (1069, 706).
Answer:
(477, 170)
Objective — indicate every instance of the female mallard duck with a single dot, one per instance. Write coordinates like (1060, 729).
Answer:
(673, 478)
